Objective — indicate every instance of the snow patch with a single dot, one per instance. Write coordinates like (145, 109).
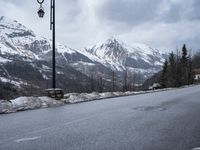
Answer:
(16, 83)
(4, 60)
(29, 103)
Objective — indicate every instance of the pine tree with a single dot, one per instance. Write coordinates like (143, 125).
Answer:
(196, 60)
(184, 53)
(179, 74)
(184, 66)
(164, 77)
(190, 71)
(172, 69)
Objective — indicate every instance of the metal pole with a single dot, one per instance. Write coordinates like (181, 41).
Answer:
(54, 48)
(53, 93)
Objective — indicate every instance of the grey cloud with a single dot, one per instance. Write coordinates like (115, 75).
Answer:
(68, 10)
(183, 11)
(159, 23)
(136, 12)
(195, 13)
(171, 15)
(131, 12)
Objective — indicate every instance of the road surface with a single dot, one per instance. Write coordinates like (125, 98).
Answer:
(167, 120)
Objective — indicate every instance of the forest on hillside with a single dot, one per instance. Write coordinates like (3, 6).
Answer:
(179, 69)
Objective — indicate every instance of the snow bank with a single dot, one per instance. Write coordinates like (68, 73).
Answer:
(5, 106)
(29, 103)
(72, 98)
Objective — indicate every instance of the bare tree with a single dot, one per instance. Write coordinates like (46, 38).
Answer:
(125, 80)
(92, 83)
(101, 82)
(113, 80)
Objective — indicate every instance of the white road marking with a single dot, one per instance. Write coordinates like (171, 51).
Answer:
(27, 139)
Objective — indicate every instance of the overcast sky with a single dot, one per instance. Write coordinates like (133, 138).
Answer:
(163, 24)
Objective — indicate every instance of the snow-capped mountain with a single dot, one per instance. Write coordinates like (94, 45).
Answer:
(25, 58)
(13, 36)
(17, 40)
(137, 58)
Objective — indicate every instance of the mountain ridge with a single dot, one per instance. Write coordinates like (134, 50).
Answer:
(118, 54)
(20, 44)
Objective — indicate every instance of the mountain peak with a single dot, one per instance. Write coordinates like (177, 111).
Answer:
(113, 40)
(6, 20)
(11, 24)
(2, 17)
(13, 28)
(114, 43)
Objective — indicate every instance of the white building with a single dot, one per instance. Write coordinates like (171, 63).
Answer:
(197, 74)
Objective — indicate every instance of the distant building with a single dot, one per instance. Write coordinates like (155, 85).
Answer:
(197, 74)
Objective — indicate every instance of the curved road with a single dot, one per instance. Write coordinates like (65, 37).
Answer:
(167, 120)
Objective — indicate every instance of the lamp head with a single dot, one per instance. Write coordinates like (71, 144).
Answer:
(41, 9)
(41, 12)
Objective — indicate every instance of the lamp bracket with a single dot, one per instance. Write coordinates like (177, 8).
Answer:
(40, 1)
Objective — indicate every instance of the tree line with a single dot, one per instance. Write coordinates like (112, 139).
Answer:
(112, 81)
(177, 69)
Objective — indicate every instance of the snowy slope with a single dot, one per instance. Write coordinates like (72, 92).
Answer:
(13, 38)
(17, 40)
(20, 44)
(120, 56)
(21, 49)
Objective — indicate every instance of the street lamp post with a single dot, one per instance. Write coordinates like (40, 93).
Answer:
(52, 27)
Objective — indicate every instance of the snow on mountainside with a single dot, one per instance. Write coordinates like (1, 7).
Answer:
(25, 58)
(13, 38)
(17, 40)
(120, 56)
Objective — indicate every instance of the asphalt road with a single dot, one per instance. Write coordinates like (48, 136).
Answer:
(167, 120)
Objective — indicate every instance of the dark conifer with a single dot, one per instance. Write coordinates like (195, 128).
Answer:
(164, 77)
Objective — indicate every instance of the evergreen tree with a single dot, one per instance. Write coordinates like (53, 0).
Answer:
(172, 69)
(184, 53)
(178, 71)
(184, 66)
(196, 60)
(190, 71)
(164, 77)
